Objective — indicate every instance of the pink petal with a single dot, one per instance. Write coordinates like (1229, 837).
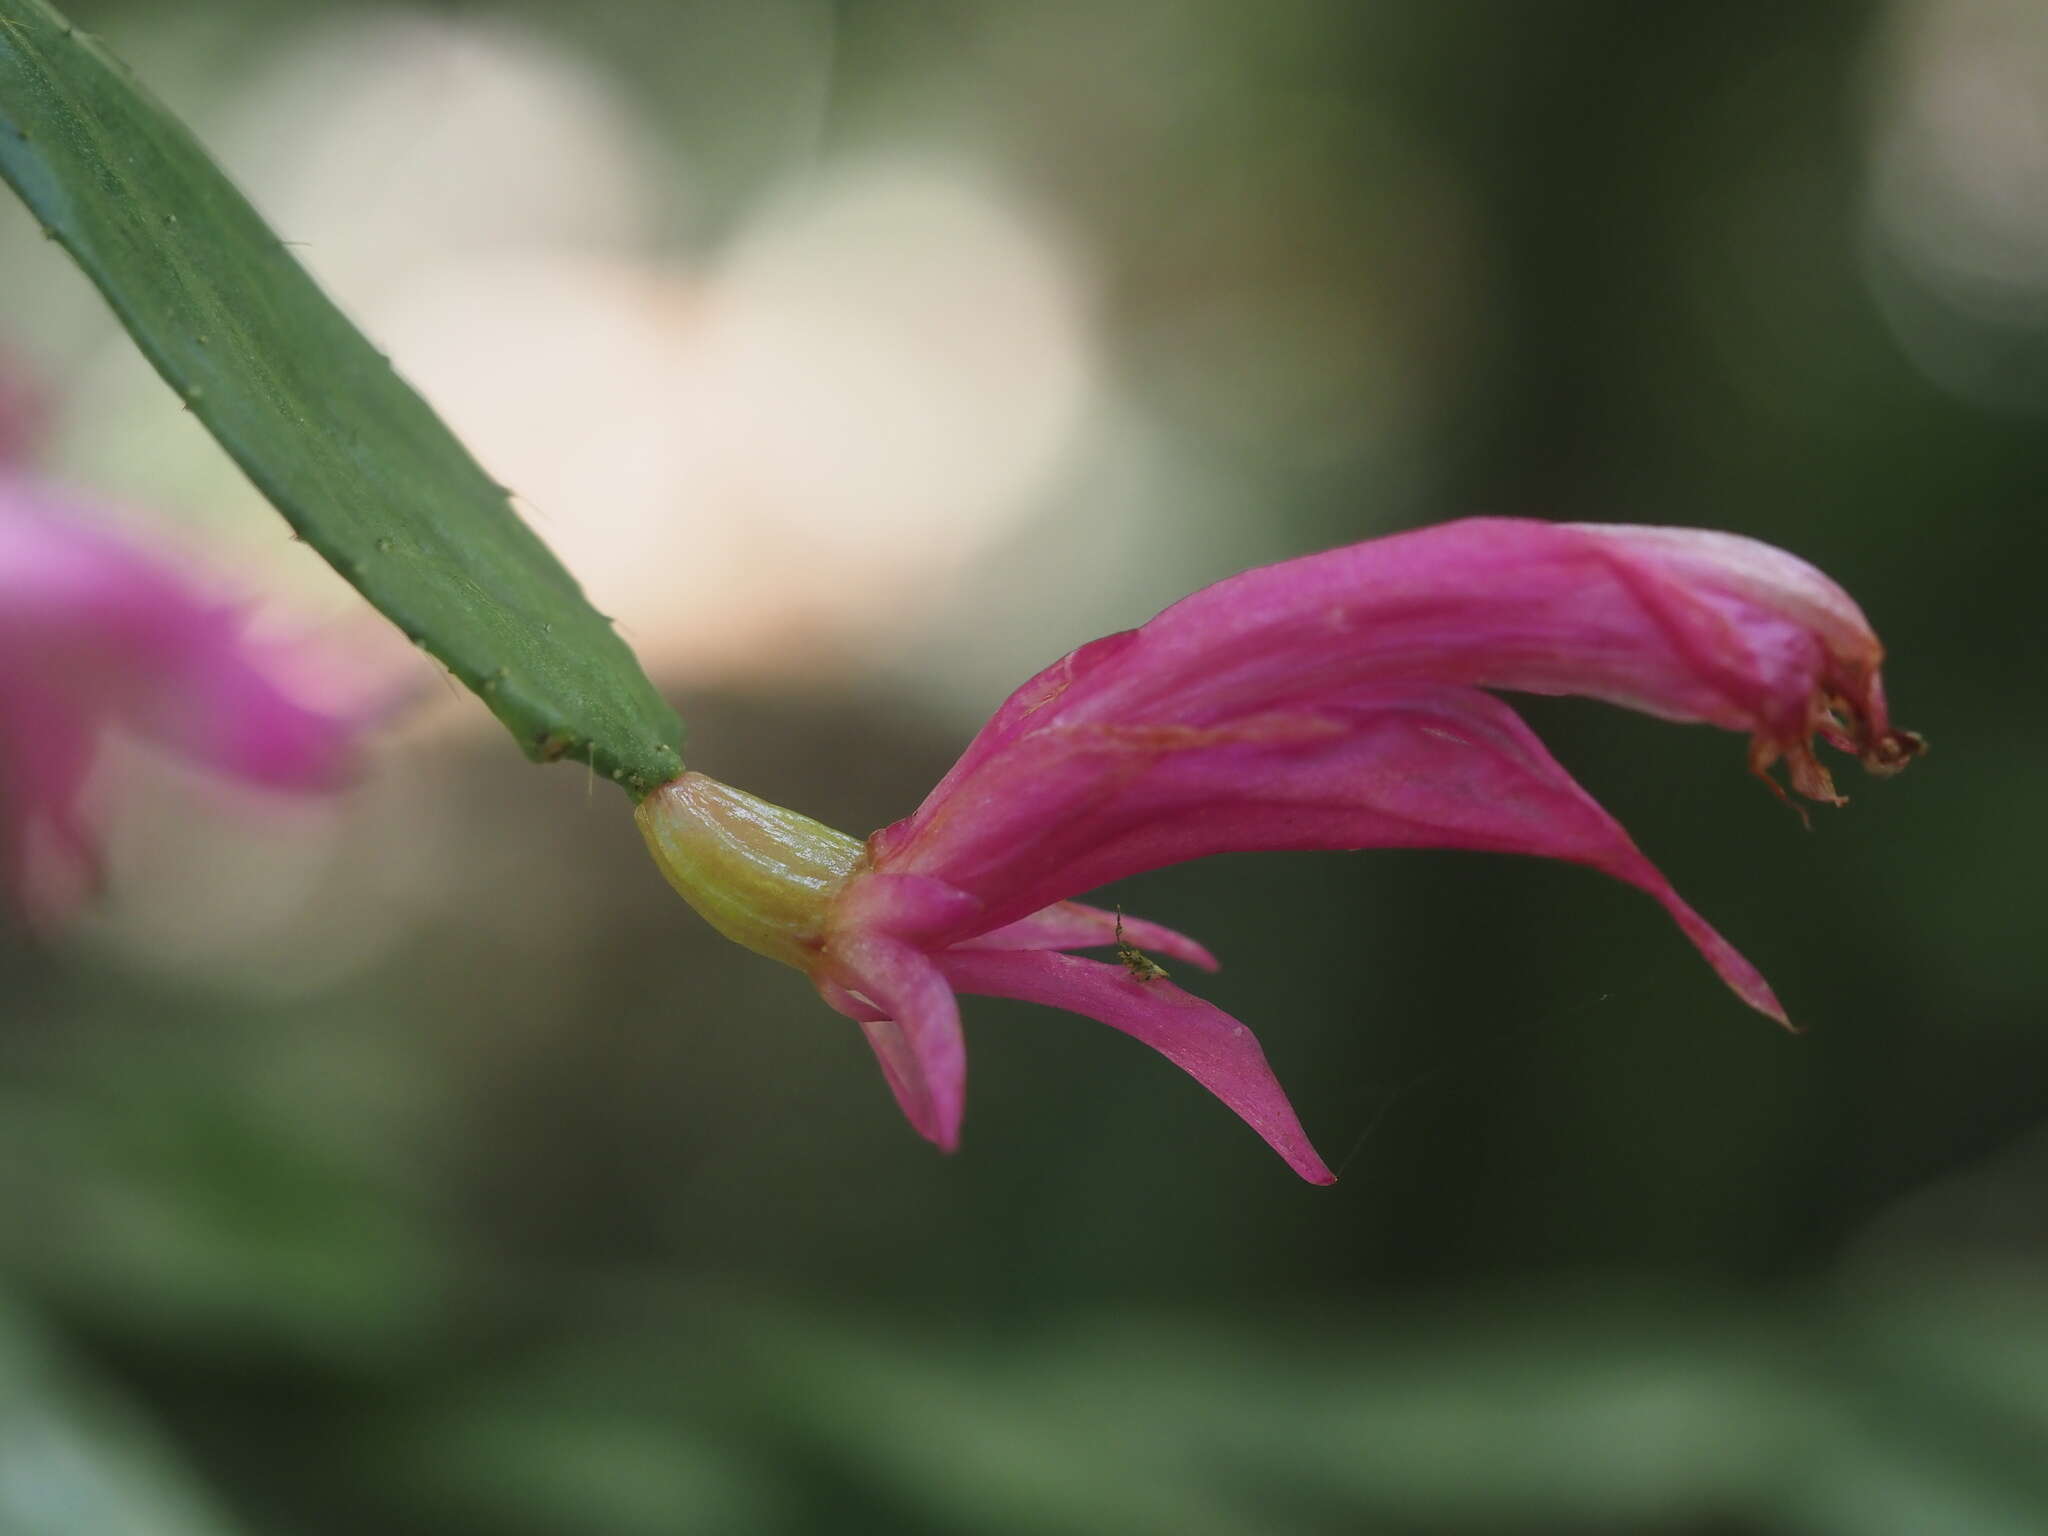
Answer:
(1728, 568)
(24, 414)
(46, 752)
(915, 908)
(1490, 602)
(928, 912)
(1070, 925)
(1205, 1042)
(218, 704)
(912, 1021)
(1035, 704)
(1680, 623)
(1392, 767)
(94, 615)
(97, 632)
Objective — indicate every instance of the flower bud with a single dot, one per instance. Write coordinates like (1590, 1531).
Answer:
(761, 875)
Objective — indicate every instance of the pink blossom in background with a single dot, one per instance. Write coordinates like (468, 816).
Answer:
(95, 632)
(23, 415)
(1333, 701)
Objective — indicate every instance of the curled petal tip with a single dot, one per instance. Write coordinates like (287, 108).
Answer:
(1890, 752)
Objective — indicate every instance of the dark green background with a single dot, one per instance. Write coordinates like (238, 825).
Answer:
(570, 1218)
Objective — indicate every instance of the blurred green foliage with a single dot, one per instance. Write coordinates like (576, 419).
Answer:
(561, 1216)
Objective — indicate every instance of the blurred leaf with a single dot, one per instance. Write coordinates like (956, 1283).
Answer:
(568, 1448)
(219, 1187)
(1917, 1408)
(74, 1460)
(311, 411)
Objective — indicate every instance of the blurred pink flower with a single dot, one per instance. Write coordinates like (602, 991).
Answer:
(1327, 702)
(23, 415)
(95, 631)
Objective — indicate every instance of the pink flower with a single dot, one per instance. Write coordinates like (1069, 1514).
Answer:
(1328, 702)
(94, 632)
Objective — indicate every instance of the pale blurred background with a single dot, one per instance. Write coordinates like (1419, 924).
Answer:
(417, 1164)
